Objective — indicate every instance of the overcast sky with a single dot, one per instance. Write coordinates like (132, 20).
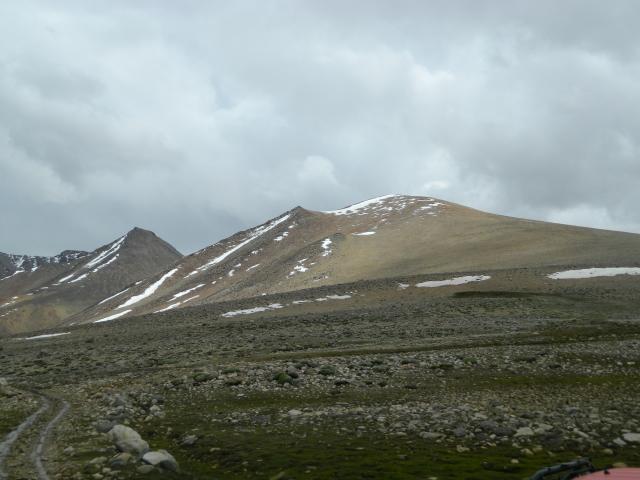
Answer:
(196, 119)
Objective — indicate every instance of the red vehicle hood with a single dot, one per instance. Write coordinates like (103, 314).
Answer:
(614, 474)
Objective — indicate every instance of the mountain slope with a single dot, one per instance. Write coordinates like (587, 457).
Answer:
(389, 236)
(39, 292)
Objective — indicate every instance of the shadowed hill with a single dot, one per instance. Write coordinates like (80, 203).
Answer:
(40, 292)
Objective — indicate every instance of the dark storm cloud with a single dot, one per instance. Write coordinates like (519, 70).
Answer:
(196, 119)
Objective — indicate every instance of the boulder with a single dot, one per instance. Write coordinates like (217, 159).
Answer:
(126, 439)
(162, 459)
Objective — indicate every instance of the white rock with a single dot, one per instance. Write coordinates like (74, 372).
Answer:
(631, 437)
(126, 439)
(162, 459)
(524, 432)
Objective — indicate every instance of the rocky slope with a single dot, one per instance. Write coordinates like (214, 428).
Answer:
(486, 380)
(390, 236)
(40, 292)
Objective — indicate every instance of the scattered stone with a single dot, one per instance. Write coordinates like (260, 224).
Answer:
(282, 378)
(5, 390)
(189, 440)
(103, 426)
(121, 460)
(202, 377)
(144, 469)
(524, 432)
(327, 370)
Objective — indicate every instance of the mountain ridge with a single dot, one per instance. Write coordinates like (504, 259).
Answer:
(383, 237)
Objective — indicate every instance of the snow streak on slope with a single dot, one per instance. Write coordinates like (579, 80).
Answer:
(594, 272)
(176, 304)
(108, 262)
(454, 281)
(113, 248)
(113, 317)
(97, 263)
(186, 292)
(31, 263)
(255, 233)
(112, 296)
(150, 290)
(46, 335)
(81, 277)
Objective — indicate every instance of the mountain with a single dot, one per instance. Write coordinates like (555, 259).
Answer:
(40, 292)
(385, 237)
(12, 265)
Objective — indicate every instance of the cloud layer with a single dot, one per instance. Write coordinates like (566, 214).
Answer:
(197, 119)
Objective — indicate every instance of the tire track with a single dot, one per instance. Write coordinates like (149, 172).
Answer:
(10, 439)
(42, 436)
(36, 455)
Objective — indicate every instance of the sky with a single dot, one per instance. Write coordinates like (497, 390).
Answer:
(196, 119)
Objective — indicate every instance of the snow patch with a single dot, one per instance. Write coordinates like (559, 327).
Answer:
(326, 247)
(248, 311)
(364, 234)
(299, 268)
(594, 272)
(454, 281)
(358, 207)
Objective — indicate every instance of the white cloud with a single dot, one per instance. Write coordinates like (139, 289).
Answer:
(199, 120)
